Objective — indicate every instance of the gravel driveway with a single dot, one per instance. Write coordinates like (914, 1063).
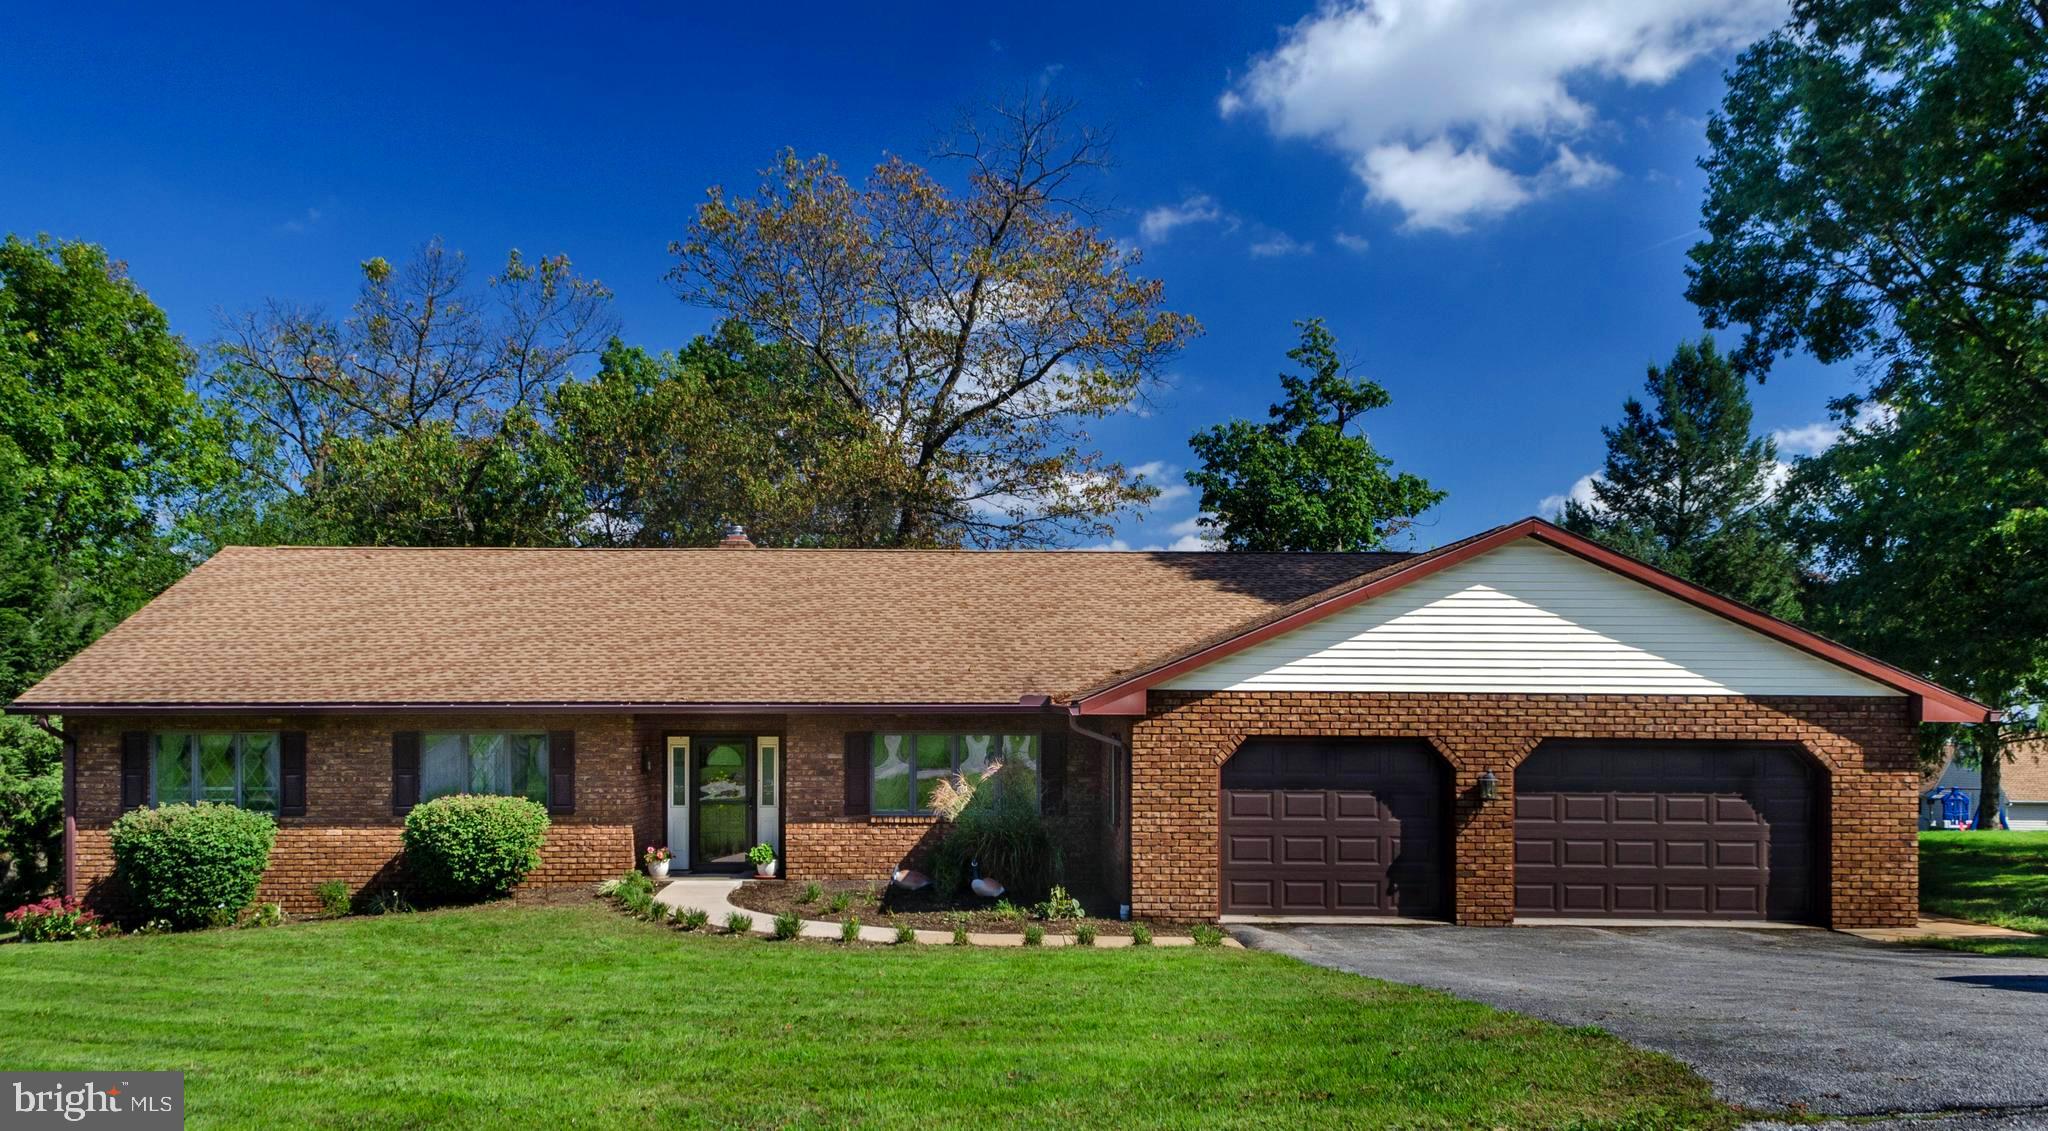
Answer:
(1773, 1018)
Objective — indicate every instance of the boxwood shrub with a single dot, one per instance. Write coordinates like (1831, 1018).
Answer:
(192, 865)
(470, 847)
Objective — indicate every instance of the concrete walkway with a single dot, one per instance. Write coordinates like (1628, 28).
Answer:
(712, 894)
(1937, 928)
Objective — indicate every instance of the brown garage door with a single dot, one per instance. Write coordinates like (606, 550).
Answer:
(1329, 827)
(1666, 830)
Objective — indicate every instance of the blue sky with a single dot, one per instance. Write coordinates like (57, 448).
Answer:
(1488, 200)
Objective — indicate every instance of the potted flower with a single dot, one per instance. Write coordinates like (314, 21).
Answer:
(656, 858)
(762, 857)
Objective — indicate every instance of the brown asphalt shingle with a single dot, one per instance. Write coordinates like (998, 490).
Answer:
(294, 625)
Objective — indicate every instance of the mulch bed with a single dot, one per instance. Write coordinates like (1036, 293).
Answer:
(880, 906)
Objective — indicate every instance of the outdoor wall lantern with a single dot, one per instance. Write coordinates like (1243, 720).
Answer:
(1489, 786)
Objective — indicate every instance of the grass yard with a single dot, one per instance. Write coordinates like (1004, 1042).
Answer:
(1988, 877)
(577, 1016)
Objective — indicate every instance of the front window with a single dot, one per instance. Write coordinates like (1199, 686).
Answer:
(512, 763)
(907, 768)
(234, 769)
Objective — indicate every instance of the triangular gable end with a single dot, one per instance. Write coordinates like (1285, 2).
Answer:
(1530, 608)
(1527, 618)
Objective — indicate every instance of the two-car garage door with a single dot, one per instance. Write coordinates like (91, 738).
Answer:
(1621, 830)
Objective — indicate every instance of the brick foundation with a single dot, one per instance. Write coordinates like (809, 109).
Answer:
(1868, 747)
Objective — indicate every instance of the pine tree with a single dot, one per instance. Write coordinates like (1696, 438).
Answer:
(1687, 488)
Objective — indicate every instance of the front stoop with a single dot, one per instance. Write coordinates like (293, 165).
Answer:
(712, 894)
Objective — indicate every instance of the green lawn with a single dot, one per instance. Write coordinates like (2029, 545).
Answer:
(577, 1016)
(1988, 877)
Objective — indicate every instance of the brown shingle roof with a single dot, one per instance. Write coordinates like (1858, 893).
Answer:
(305, 625)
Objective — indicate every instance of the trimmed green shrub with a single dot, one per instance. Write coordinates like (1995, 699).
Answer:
(788, 925)
(192, 865)
(334, 898)
(739, 922)
(1141, 935)
(469, 847)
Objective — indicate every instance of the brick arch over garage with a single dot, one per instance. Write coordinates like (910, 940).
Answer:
(1868, 747)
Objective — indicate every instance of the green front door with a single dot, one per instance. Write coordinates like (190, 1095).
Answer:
(724, 798)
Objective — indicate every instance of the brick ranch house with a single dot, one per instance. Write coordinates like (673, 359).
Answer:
(1519, 725)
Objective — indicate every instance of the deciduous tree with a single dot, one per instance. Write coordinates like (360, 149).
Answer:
(671, 447)
(414, 419)
(1876, 190)
(1303, 480)
(976, 330)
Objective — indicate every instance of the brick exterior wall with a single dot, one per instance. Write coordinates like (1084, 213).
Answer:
(1867, 746)
(821, 842)
(1166, 795)
(349, 832)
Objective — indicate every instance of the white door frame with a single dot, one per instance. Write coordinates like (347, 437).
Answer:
(676, 763)
(768, 768)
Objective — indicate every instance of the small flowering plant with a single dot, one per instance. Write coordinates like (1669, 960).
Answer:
(655, 854)
(54, 920)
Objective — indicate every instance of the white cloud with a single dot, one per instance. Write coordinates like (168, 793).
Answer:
(1813, 439)
(1358, 244)
(1278, 244)
(1164, 476)
(1810, 440)
(1158, 224)
(1458, 110)
(1552, 506)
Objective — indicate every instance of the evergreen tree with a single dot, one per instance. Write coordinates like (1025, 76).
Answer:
(1687, 488)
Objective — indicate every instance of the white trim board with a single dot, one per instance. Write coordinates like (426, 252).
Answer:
(1532, 619)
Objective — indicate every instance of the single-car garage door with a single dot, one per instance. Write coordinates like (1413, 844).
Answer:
(1666, 830)
(1335, 827)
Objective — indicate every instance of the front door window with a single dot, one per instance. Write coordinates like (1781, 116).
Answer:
(724, 803)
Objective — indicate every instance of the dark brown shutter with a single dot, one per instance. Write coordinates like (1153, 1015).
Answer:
(858, 745)
(405, 771)
(291, 774)
(1052, 773)
(134, 769)
(561, 771)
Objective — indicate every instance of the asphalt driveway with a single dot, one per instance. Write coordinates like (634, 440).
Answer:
(1773, 1018)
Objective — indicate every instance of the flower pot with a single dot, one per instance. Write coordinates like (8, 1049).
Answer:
(765, 871)
(658, 869)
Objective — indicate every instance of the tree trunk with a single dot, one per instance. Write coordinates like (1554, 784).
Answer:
(1990, 764)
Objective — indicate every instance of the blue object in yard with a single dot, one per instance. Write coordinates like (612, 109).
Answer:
(1955, 808)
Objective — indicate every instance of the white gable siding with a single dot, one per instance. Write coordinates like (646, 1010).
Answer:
(1527, 618)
